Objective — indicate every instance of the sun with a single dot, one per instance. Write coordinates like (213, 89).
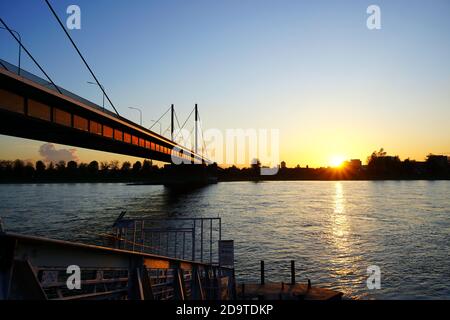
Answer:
(336, 161)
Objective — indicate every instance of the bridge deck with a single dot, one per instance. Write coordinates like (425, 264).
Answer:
(31, 109)
(280, 291)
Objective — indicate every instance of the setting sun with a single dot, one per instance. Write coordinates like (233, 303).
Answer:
(337, 161)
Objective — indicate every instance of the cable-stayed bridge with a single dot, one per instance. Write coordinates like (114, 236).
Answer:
(30, 107)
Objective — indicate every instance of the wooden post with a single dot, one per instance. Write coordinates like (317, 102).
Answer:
(147, 285)
(139, 287)
(193, 240)
(208, 283)
(262, 272)
(24, 283)
(201, 239)
(180, 291)
(135, 290)
(216, 286)
(233, 286)
(142, 236)
(134, 234)
(292, 272)
(196, 284)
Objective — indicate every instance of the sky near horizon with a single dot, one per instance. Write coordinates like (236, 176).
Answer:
(311, 69)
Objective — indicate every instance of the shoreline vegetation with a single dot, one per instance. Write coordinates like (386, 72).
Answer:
(379, 166)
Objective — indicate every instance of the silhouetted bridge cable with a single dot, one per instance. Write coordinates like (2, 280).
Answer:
(201, 130)
(159, 119)
(3, 65)
(174, 117)
(171, 127)
(28, 53)
(81, 56)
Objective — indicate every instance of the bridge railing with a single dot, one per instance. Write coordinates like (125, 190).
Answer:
(30, 76)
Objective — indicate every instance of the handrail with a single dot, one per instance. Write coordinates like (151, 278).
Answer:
(42, 240)
(35, 267)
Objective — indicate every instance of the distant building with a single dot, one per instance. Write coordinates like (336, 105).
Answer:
(438, 165)
(354, 164)
(439, 160)
(283, 165)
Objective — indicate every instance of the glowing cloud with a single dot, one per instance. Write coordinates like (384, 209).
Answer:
(50, 154)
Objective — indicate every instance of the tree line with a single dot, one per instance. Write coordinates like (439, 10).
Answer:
(19, 170)
(379, 165)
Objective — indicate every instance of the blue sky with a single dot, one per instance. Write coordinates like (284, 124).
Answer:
(310, 68)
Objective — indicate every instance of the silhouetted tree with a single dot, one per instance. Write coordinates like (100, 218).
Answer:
(29, 171)
(256, 168)
(104, 166)
(51, 171)
(61, 166)
(137, 166)
(83, 171)
(146, 168)
(72, 169)
(18, 168)
(114, 165)
(93, 169)
(381, 166)
(437, 165)
(40, 168)
(6, 170)
(126, 167)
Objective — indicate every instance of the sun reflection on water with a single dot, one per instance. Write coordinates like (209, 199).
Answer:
(340, 223)
(345, 261)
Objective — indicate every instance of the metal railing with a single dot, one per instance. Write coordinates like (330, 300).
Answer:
(183, 238)
(32, 77)
(34, 268)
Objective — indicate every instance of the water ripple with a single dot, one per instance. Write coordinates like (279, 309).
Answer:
(334, 230)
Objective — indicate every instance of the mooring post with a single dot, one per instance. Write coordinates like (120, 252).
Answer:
(193, 240)
(196, 129)
(172, 123)
(201, 239)
(292, 272)
(262, 272)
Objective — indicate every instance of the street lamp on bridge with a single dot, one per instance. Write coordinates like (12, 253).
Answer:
(103, 92)
(140, 114)
(20, 45)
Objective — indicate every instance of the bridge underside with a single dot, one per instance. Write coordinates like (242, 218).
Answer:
(25, 127)
(34, 111)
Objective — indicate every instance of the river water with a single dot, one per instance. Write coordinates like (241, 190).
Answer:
(333, 230)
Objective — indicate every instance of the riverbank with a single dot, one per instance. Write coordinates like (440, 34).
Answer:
(158, 182)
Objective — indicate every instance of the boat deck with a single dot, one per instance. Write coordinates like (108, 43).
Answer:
(282, 291)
